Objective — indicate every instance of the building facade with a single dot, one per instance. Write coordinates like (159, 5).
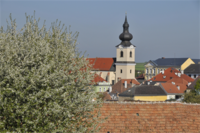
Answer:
(154, 67)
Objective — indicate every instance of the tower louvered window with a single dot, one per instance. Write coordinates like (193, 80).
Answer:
(131, 54)
(121, 54)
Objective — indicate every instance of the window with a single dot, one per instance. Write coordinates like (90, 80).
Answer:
(130, 71)
(147, 70)
(189, 75)
(158, 71)
(121, 54)
(121, 70)
(104, 89)
(150, 70)
(99, 89)
(194, 76)
(113, 82)
(131, 54)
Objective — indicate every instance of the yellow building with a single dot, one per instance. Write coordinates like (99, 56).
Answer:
(154, 67)
(144, 93)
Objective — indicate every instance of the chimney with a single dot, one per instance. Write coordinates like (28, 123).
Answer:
(178, 87)
(182, 72)
(163, 57)
(125, 84)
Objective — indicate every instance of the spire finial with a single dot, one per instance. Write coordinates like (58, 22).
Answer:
(126, 36)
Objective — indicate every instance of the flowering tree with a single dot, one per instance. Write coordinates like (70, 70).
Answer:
(44, 81)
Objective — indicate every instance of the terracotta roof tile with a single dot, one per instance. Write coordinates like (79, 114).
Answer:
(103, 64)
(178, 80)
(140, 76)
(172, 88)
(169, 74)
(144, 117)
(119, 86)
(97, 79)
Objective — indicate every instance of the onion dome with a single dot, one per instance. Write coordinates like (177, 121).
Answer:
(125, 37)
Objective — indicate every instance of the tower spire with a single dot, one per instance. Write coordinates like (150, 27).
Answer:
(125, 36)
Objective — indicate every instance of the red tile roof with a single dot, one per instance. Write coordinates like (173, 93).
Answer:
(140, 77)
(171, 88)
(178, 81)
(98, 79)
(150, 118)
(119, 86)
(130, 81)
(169, 74)
(103, 64)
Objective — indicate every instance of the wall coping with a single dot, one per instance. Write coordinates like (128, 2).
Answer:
(152, 102)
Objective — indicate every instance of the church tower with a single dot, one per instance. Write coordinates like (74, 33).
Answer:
(125, 56)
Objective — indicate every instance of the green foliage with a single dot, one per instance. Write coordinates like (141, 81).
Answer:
(197, 87)
(191, 97)
(139, 66)
(43, 81)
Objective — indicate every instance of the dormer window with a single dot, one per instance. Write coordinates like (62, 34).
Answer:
(130, 53)
(121, 54)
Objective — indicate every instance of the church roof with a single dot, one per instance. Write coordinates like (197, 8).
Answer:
(102, 64)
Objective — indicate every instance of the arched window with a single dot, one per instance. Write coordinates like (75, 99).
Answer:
(130, 53)
(130, 71)
(121, 54)
(121, 70)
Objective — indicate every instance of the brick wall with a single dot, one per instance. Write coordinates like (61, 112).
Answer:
(150, 117)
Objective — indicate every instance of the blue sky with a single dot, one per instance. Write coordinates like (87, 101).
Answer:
(159, 28)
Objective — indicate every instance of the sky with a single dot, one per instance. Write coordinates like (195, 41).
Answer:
(160, 28)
